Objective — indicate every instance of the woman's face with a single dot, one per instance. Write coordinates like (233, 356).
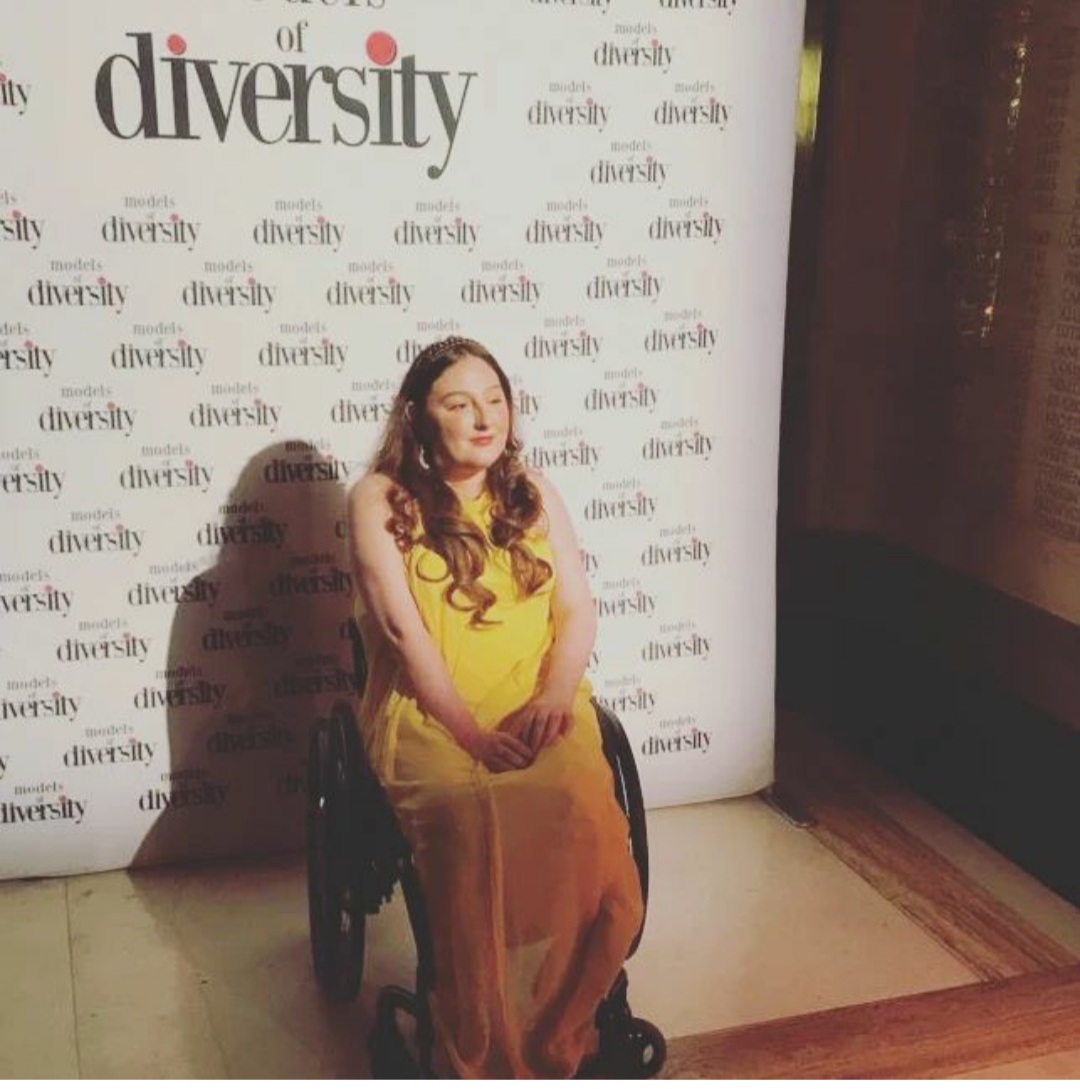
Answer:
(470, 417)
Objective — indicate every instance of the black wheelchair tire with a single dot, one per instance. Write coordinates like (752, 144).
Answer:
(620, 756)
(335, 912)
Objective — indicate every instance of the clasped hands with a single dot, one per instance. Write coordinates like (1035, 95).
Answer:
(520, 736)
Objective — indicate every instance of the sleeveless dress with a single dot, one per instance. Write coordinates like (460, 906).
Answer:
(532, 895)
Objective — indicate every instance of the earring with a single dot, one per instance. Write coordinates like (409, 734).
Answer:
(422, 458)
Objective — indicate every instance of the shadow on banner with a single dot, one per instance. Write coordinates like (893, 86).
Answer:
(257, 650)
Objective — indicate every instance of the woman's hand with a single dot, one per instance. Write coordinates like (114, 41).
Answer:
(498, 751)
(541, 721)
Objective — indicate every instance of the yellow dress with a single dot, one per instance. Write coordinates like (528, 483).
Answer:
(532, 895)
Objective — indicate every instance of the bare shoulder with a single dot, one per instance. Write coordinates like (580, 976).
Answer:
(369, 509)
(369, 518)
(542, 484)
(556, 521)
(549, 499)
(370, 489)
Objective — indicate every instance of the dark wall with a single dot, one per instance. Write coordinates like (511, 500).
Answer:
(901, 429)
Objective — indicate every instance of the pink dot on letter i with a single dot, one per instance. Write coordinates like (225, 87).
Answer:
(177, 45)
(381, 48)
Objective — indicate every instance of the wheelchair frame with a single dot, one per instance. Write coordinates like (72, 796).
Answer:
(357, 854)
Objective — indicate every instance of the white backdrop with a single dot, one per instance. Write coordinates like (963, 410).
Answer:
(225, 232)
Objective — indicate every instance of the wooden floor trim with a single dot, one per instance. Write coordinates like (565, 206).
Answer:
(933, 1035)
(987, 936)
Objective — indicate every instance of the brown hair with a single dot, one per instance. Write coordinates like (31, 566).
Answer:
(426, 509)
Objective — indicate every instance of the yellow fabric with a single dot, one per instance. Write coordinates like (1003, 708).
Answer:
(532, 895)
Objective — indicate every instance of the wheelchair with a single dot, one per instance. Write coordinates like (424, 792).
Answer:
(357, 855)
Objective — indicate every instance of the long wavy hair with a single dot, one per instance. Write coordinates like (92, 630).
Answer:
(426, 509)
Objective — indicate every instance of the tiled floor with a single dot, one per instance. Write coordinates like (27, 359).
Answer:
(206, 971)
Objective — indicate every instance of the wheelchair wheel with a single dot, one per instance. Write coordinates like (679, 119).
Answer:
(630, 1047)
(335, 908)
(620, 756)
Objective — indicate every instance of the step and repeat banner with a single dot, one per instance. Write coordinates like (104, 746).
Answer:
(223, 238)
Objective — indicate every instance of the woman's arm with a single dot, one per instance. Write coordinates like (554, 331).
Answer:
(381, 580)
(548, 715)
(572, 602)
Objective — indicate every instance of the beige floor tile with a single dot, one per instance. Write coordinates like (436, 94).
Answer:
(216, 976)
(751, 919)
(140, 1008)
(206, 972)
(37, 1015)
(246, 931)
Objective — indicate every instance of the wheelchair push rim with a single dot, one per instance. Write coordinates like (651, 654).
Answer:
(620, 756)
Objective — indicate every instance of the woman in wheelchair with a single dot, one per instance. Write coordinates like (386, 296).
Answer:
(478, 623)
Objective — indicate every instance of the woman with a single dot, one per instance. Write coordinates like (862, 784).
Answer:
(478, 624)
